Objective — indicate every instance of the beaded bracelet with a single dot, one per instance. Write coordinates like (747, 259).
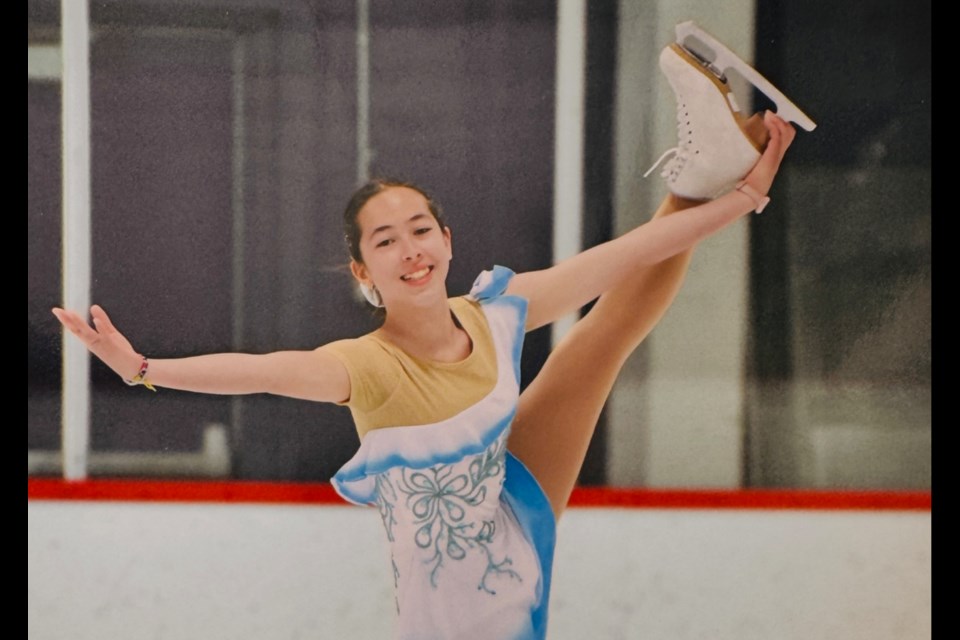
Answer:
(141, 377)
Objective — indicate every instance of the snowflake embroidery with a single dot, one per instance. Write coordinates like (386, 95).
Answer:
(386, 498)
(440, 501)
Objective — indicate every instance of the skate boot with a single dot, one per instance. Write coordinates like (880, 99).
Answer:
(717, 146)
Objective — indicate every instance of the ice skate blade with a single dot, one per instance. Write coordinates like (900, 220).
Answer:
(726, 59)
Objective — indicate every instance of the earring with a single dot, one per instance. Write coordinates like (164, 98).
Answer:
(370, 292)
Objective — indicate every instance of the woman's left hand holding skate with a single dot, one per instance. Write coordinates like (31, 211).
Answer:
(782, 134)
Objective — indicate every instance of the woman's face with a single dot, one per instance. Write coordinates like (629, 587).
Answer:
(405, 253)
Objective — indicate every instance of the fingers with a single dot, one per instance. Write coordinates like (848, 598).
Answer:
(77, 326)
(781, 134)
(780, 129)
(100, 319)
(67, 318)
(776, 135)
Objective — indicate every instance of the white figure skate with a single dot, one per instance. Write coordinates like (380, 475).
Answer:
(714, 148)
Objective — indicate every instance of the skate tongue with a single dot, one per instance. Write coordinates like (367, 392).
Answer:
(660, 159)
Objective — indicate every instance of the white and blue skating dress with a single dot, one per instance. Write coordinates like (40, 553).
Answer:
(471, 532)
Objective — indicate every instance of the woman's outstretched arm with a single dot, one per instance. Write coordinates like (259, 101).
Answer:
(308, 375)
(570, 284)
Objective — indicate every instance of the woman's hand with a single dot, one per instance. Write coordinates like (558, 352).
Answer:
(782, 134)
(310, 375)
(103, 340)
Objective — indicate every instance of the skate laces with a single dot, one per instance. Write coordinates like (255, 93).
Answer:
(674, 151)
(681, 152)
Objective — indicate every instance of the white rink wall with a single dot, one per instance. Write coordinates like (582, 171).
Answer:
(160, 571)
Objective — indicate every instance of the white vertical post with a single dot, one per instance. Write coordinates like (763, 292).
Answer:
(238, 206)
(75, 32)
(363, 91)
(675, 415)
(237, 203)
(568, 140)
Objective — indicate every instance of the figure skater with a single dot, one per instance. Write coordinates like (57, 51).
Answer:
(470, 476)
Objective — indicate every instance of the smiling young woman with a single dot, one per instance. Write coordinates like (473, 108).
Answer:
(469, 475)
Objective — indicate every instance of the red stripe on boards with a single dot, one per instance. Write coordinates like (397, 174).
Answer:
(137, 490)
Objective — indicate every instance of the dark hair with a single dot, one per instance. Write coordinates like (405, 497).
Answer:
(360, 197)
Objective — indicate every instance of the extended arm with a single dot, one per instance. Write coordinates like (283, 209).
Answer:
(308, 375)
(572, 283)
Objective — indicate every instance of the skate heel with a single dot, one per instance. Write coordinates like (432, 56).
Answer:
(725, 59)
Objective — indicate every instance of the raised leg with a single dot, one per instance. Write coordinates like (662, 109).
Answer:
(558, 411)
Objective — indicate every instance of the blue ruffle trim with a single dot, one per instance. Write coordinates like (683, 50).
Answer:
(491, 284)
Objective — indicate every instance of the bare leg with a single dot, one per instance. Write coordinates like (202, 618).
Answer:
(558, 411)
